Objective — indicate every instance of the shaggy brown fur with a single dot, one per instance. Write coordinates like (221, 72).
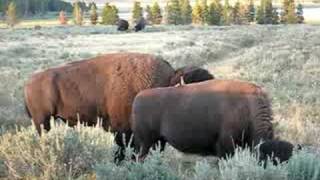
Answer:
(102, 87)
(208, 118)
(99, 87)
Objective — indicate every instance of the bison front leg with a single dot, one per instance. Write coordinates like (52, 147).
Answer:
(41, 120)
(143, 145)
(122, 140)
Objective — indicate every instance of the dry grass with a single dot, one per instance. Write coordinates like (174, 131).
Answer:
(285, 60)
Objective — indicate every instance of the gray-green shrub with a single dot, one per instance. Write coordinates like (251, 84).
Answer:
(154, 167)
(60, 153)
(244, 165)
(304, 166)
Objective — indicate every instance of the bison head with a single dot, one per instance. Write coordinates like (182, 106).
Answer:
(191, 74)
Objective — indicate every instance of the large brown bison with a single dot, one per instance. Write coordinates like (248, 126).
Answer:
(102, 87)
(207, 118)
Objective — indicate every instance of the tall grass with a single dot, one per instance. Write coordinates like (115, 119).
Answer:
(60, 153)
(87, 153)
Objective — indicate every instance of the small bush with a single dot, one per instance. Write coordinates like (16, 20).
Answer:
(304, 166)
(244, 165)
(204, 171)
(154, 167)
(60, 153)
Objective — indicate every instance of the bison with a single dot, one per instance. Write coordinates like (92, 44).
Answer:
(123, 25)
(141, 24)
(103, 86)
(206, 118)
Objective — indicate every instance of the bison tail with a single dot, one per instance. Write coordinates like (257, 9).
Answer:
(262, 119)
(26, 103)
(27, 110)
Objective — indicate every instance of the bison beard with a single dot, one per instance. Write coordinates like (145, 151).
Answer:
(102, 87)
(207, 118)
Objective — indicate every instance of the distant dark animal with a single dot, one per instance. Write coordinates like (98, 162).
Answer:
(206, 118)
(123, 25)
(278, 151)
(37, 27)
(103, 87)
(141, 24)
(191, 74)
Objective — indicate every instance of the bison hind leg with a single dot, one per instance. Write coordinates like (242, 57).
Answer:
(143, 145)
(225, 146)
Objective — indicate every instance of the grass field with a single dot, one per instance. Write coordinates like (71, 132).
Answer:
(284, 59)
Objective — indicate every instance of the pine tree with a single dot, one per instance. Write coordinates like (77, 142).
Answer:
(261, 13)
(235, 13)
(11, 15)
(288, 14)
(156, 13)
(291, 16)
(204, 11)
(215, 13)
(197, 13)
(275, 16)
(173, 12)
(300, 18)
(77, 14)
(62, 18)
(226, 13)
(137, 11)
(250, 11)
(268, 12)
(284, 12)
(93, 14)
(149, 15)
(109, 14)
(186, 12)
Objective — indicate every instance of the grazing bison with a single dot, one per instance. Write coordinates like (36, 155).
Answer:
(278, 151)
(141, 24)
(206, 118)
(191, 74)
(102, 87)
(123, 25)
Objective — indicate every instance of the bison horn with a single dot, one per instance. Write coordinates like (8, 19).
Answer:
(181, 83)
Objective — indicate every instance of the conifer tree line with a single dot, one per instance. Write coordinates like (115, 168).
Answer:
(204, 12)
(218, 12)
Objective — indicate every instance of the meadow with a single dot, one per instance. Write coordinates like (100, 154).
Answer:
(284, 59)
